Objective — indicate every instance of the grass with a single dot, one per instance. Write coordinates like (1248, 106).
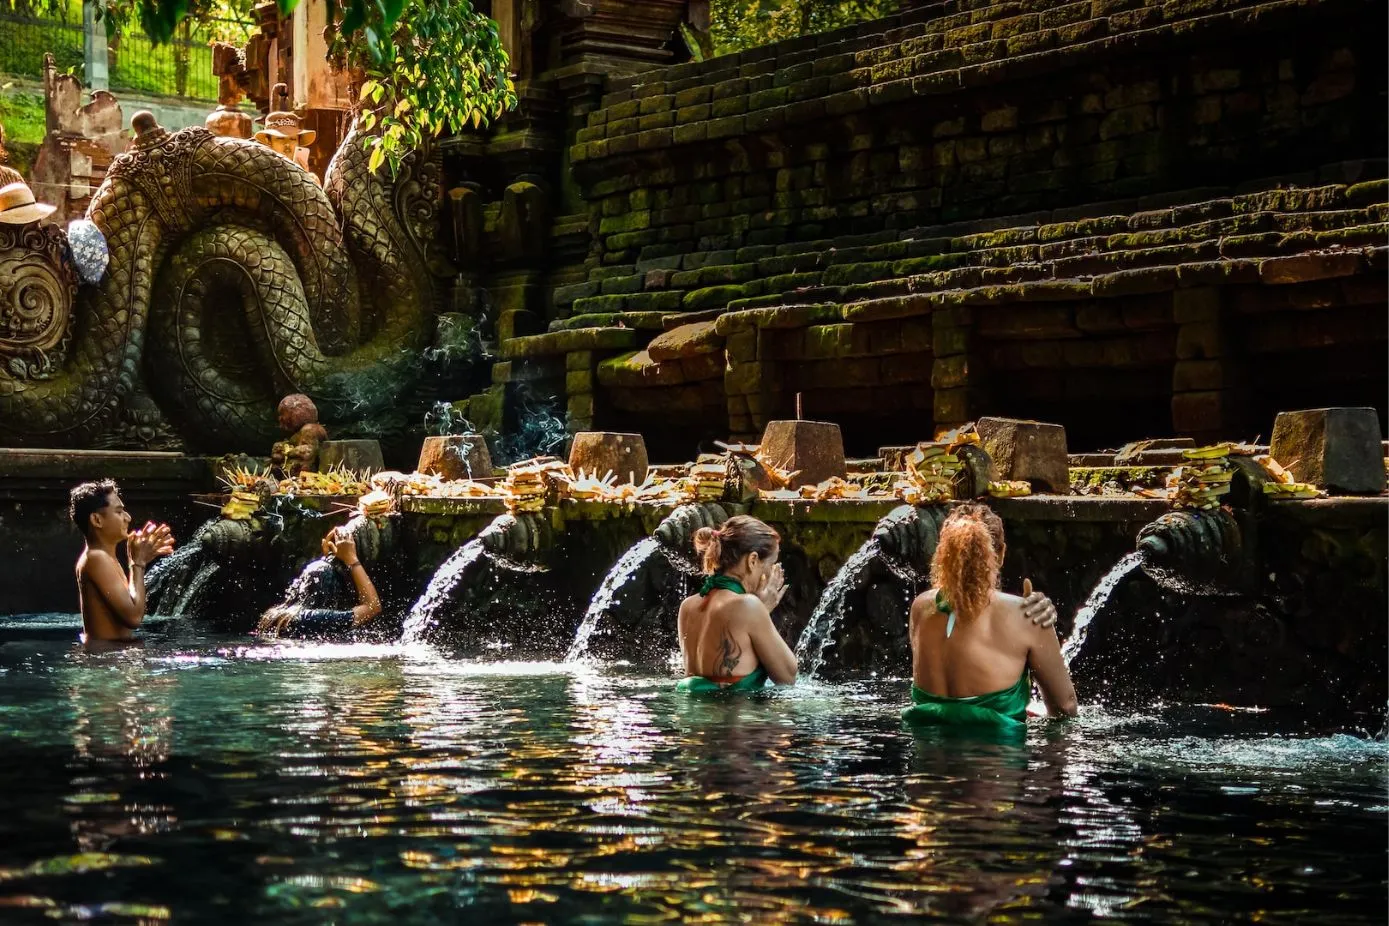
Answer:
(22, 116)
(137, 64)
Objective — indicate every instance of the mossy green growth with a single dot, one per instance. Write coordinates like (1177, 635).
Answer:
(711, 297)
(1091, 480)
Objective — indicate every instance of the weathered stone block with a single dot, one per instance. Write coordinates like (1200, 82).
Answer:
(814, 448)
(685, 341)
(603, 452)
(577, 381)
(1303, 268)
(1339, 449)
(1203, 414)
(360, 456)
(1030, 450)
(950, 372)
(1202, 375)
(1200, 341)
(580, 407)
(710, 297)
(455, 456)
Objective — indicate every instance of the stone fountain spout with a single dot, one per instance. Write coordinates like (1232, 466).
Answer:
(903, 542)
(676, 532)
(1194, 551)
(632, 615)
(510, 542)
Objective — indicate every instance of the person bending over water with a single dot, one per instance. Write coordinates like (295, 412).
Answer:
(112, 603)
(972, 645)
(727, 638)
(305, 613)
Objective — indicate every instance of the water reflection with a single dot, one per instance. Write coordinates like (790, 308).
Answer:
(225, 782)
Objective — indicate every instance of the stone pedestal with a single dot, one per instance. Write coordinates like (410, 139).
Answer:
(456, 456)
(360, 456)
(1027, 450)
(1333, 448)
(601, 452)
(815, 448)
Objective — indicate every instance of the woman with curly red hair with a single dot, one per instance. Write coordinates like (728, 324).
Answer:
(974, 649)
(727, 638)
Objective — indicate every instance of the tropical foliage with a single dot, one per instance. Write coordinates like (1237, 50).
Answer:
(739, 24)
(438, 66)
(430, 65)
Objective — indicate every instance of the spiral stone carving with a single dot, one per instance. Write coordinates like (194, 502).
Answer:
(234, 278)
(37, 288)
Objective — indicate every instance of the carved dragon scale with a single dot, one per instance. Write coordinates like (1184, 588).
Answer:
(234, 279)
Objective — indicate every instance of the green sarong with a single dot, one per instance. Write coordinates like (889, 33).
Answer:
(698, 684)
(1006, 709)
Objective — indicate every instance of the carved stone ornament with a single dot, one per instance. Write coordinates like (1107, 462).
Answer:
(37, 287)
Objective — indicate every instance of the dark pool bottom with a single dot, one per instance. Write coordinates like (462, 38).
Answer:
(212, 780)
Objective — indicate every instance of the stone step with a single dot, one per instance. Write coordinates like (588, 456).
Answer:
(971, 55)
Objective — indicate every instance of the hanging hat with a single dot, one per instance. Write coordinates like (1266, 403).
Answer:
(284, 123)
(17, 205)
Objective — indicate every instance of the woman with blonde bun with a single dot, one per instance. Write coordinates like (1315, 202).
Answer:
(727, 638)
(974, 648)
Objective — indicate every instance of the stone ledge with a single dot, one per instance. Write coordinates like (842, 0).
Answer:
(562, 342)
(975, 59)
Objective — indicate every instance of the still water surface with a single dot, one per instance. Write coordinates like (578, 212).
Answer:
(215, 780)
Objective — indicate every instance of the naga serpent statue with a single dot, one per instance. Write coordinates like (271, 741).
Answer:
(234, 279)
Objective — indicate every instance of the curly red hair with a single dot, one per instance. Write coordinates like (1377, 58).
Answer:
(968, 559)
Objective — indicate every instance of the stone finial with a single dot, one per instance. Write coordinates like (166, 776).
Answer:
(1030, 451)
(1339, 449)
(814, 450)
(455, 456)
(602, 452)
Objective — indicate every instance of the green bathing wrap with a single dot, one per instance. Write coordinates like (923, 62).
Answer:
(698, 684)
(1005, 710)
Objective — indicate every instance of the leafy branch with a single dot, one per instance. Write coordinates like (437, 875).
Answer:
(428, 66)
(439, 66)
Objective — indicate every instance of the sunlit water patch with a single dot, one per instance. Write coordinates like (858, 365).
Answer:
(229, 780)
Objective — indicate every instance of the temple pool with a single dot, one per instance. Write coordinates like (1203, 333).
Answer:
(216, 780)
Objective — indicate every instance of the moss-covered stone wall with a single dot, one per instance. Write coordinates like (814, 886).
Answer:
(1111, 213)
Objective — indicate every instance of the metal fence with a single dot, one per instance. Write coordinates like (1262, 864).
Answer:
(179, 68)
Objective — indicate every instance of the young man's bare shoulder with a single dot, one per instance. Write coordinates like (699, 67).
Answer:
(95, 559)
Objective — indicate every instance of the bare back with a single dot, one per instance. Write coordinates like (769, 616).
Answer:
(724, 636)
(986, 653)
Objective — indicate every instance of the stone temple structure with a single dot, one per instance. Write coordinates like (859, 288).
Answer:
(1129, 217)
(1122, 216)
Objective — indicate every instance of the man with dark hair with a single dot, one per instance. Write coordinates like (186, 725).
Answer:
(112, 604)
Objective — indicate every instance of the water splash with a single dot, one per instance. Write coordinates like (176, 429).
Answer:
(425, 613)
(167, 583)
(1099, 597)
(819, 631)
(607, 595)
(195, 585)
